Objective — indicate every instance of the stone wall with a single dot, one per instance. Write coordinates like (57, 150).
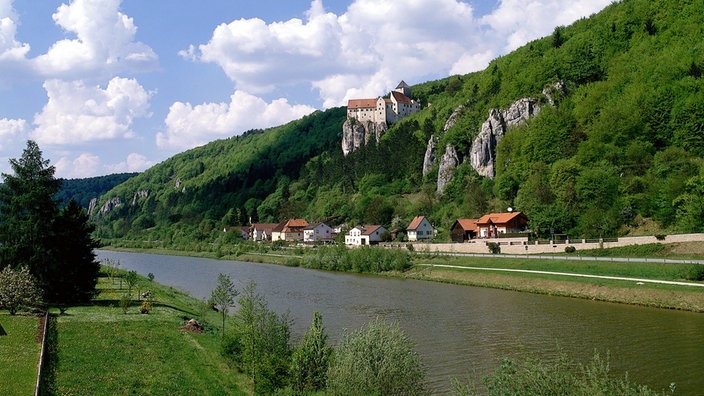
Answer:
(523, 246)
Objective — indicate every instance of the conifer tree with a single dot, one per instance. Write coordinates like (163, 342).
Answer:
(55, 244)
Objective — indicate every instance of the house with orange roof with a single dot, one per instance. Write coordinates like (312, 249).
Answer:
(387, 110)
(365, 235)
(290, 230)
(463, 230)
(420, 229)
(493, 224)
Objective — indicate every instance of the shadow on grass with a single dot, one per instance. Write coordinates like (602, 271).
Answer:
(47, 385)
(116, 303)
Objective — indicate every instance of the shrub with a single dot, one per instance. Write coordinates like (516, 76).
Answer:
(494, 248)
(125, 302)
(378, 359)
(660, 237)
(146, 307)
(570, 249)
(694, 273)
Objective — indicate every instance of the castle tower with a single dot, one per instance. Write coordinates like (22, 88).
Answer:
(403, 88)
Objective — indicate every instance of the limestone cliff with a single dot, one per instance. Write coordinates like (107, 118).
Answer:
(430, 159)
(448, 163)
(355, 133)
(483, 151)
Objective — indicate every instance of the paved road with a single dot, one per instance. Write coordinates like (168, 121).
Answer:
(635, 280)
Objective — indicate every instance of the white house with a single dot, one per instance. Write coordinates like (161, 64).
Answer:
(318, 232)
(261, 231)
(364, 235)
(419, 229)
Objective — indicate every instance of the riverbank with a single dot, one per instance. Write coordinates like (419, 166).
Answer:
(616, 291)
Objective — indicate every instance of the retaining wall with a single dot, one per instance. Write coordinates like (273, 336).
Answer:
(523, 246)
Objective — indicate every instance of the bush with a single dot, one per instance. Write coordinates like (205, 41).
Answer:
(378, 359)
(694, 273)
(660, 237)
(494, 248)
(146, 307)
(570, 249)
(125, 302)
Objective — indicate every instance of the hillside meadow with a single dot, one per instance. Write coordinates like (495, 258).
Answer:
(98, 349)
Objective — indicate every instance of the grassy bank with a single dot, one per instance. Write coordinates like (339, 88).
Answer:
(100, 350)
(19, 354)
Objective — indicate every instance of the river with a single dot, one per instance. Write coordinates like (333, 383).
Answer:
(461, 331)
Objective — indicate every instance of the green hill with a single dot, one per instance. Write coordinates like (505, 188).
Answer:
(618, 150)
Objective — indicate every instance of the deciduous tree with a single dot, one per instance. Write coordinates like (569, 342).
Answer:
(17, 289)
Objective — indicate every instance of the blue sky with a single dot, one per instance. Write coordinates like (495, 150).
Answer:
(107, 86)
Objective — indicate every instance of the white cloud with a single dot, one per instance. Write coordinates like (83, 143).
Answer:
(104, 42)
(10, 129)
(134, 163)
(189, 126)
(374, 44)
(85, 165)
(10, 48)
(76, 113)
(517, 22)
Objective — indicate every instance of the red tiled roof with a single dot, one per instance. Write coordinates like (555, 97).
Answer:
(468, 224)
(415, 223)
(401, 98)
(498, 218)
(264, 226)
(361, 104)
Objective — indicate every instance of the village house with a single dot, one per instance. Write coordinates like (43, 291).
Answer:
(318, 232)
(420, 229)
(397, 106)
(364, 235)
(290, 230)
(494, 224)
(261, 231)
(464, 230)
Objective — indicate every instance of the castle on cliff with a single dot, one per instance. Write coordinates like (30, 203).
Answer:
(397, 106)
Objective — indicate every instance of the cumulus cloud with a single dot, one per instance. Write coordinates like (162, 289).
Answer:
(374, 44)
(104, 42)
(188, 126)
(10, 129)
(85, 165)
(76, 113)
(134, 163)
(10, 48)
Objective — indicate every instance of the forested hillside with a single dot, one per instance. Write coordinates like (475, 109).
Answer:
(618, 151)
(84, 190)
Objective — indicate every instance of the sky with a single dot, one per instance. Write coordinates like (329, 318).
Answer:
(111, 86)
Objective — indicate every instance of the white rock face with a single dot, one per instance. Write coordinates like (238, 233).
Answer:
(429, 159)
(483, 152)
(355, 134)
(448, 163)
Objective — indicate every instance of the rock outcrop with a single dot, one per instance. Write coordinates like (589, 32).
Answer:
(448, 163)
(138, 195)
(430, 159)
(483, 151)
(110, 205)
(355, 133)
(91, 206)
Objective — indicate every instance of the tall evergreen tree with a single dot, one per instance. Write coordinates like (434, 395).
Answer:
(55, 244)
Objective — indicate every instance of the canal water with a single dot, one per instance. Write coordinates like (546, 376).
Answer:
(461, 332)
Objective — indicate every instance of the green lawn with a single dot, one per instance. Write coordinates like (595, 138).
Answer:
(19, 354)
(102, 351)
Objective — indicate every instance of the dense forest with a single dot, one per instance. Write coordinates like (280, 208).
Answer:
(84, 190)
(618, 152)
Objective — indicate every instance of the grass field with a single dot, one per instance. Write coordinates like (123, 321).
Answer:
(19, 354)
(102, 351)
